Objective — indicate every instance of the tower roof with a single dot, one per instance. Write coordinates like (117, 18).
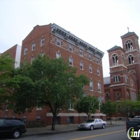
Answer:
(114, 48)
(129, 34)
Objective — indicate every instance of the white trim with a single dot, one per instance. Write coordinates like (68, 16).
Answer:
(17, 57)
(114, 66)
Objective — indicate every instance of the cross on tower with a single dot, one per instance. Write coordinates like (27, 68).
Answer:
(128, 29)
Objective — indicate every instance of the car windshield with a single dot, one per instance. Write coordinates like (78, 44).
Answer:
(89, 121)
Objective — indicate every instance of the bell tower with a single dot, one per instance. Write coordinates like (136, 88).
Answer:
(132, 54)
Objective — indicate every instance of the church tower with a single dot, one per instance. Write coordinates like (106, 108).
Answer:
(132, 54)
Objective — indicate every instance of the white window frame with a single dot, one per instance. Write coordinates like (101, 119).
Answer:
(42, 41)
(89, 56)
(70, 61)
(70, 47)
(90, 68)
(25, 50)
(99, 87)
(81, 52)
(58, 42)
(58, 54)
(81, 65)
(91, 85)
(33, 46)
(98, 71)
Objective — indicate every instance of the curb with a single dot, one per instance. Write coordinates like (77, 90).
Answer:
(63, 131)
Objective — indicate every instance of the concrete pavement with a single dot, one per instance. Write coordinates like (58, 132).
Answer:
(62, 128)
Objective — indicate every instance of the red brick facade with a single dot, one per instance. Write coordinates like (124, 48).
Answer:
(124, 82)
(55, 41)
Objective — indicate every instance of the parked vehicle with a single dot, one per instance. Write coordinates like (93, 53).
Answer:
(13, 126)
(132, 123)
(93, 123)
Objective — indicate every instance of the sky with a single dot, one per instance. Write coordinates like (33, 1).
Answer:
(98, 22)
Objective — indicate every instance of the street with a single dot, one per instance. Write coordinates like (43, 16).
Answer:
(109, 133)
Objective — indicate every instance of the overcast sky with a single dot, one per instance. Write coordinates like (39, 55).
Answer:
(98, 22)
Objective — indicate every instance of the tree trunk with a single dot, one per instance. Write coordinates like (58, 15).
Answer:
(53, 122)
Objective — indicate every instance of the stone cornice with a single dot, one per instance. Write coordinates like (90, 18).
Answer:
(69, 36)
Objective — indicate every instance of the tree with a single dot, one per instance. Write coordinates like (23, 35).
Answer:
(126, 107)
(109, 108)
(6, 67)
(53, 83)
(88, 104)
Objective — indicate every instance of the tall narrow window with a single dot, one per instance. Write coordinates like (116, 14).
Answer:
(70, 61)
(89, 57)
(107, 96)
(129, 45)
(58, 54)
(130, 59)
(122, 59)
(99, 86)
(25, 50)
(117, 96)
(32, 59)
(81, 65)
(91, 85)
(81, 53)
(58, 42)
(70, 47)
(42, 41)
(115, 59)
(42, 53)
(90, 68)
(98, 72)
(33, 46)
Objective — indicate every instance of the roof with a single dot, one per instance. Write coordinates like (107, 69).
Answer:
(106, 80)
(129, 34)
(114, 48)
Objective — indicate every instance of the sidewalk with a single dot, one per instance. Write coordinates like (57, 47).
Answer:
(62, 128)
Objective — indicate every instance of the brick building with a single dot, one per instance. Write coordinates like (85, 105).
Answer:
(56, 42)
(124, 80)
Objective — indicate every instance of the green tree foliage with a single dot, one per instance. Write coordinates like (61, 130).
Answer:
(47, 82)
(126, 107)
(6, 67)
(88, 104)
(109, 108)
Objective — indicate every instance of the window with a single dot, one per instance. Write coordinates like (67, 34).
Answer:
(25, 50)
(70, 47)
(38, 118)
(117, 96)
(98, 72)
(81, 65)
(42, 53)
(130, 59)
(107, 96)
(133, 97)
(58, 42)
(71, 105)
(131, 82)
(90, 68)
(89, 57)
(32, 59)
(39, 106)
(97, 60)
(99, 86)
(129, 45)
(58, 54)
(70, 61)
(125, 78)
(33, 46)
(116, 78)
(127, 96)
(91, 85)
(122, 59)
(42, 41)
(81, 53)
(1, 122)
(115, 59)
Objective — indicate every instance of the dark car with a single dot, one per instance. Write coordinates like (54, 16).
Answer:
(13, 126)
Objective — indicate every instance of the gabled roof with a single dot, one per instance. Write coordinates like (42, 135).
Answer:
(107, 80)
(114, 48)
(129, 34)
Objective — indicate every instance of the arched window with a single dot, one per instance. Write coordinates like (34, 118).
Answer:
(115, 59)
(130, 59)
(122, 59)
(129, 45)
(116, 78)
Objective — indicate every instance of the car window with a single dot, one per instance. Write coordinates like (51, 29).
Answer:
(100, 120)
(1, 121)
(9, 122)
(96, 121)
(89, 120)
